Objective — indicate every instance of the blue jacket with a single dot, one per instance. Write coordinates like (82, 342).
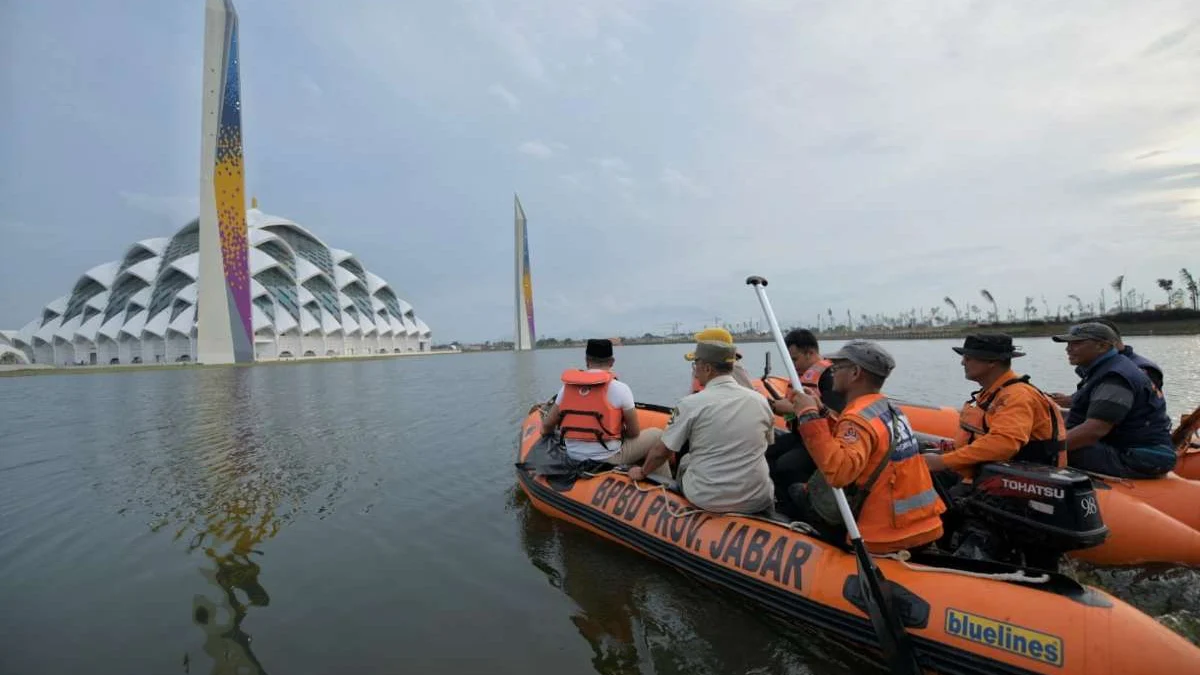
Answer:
(1147, 424)
(1151, 368)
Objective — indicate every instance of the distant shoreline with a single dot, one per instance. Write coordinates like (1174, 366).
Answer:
(1130, 325)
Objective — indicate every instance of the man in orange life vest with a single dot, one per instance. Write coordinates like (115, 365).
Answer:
(871, 451)
(813, 370)
(789, 461)
(1007, 419)
(596, 414)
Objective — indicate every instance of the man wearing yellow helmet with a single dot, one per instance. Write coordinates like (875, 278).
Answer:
(739, 371)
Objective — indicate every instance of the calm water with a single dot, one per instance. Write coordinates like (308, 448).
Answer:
(362, 517)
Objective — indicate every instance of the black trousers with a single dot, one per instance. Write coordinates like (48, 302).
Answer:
(790, 464)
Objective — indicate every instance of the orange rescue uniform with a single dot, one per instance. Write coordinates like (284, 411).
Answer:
(1000, 421)
(902, 510)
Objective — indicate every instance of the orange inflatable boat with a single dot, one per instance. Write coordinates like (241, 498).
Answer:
(1150, 521)
(964, 617)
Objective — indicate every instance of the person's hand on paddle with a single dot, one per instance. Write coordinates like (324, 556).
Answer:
(803, 403)
(1063, 400)
(782, 406)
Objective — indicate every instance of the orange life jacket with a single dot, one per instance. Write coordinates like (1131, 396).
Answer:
(586, 413)
(811, 378)
(902, 509)
(972, 423)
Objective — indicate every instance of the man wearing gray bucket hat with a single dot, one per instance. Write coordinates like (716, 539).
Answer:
(727, 428)
(1118, 423)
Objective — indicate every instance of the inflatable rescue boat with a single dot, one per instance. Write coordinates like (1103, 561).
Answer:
(1150, 522)
(963, 616)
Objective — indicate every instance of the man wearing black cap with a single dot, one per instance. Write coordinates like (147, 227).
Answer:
(1117, 424)
(1008, 418)
(596, 412)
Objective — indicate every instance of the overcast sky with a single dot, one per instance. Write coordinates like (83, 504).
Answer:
(870, 156)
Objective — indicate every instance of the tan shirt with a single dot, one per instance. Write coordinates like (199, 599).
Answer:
(729, 428)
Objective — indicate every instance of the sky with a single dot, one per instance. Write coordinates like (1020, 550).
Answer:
(863, 156)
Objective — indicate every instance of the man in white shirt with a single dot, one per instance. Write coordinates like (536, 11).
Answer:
(612, 421)
(728, 427)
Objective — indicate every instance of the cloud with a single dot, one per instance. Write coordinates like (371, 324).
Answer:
(509, 36)
(536, 149)
(310, 86)
(174, 208)
(678, 183)
(612, 164)
(510, 99)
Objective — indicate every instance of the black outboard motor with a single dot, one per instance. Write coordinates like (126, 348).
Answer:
(1027, 514)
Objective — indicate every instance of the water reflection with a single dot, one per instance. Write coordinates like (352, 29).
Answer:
(640, 617)
(225, 642)
(236, 513)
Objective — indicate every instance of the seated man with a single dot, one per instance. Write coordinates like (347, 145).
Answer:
(789, 461)
(872, 451)
(1117, 424)
(1150, 368)
(727, 427)
(739, 371)
(1008, 418)
(595, 412)
(813, 370)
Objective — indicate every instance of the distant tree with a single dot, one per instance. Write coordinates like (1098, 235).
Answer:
(1167, 285)
(995, 310)
(1077, 302)
(1189, 283)
(950, 303)
(1117, 284)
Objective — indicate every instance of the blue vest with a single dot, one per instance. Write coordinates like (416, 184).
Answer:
(1156, 376)
(1146, 425)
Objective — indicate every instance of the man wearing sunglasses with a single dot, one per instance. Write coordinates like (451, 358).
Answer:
(871, 452)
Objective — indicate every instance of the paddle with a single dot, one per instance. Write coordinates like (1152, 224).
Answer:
(893, 640)
(1182, 438)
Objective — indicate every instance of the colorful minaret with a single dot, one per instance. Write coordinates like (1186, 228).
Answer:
(224, 333)
(525, 336)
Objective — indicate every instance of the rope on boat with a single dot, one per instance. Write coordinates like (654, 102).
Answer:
(1019, 576)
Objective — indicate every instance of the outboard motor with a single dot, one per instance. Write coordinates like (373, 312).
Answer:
(1027, 514)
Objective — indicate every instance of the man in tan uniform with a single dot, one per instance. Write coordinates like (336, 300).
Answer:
(728, 428)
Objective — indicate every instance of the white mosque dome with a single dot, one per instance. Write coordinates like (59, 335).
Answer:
(307, 300)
